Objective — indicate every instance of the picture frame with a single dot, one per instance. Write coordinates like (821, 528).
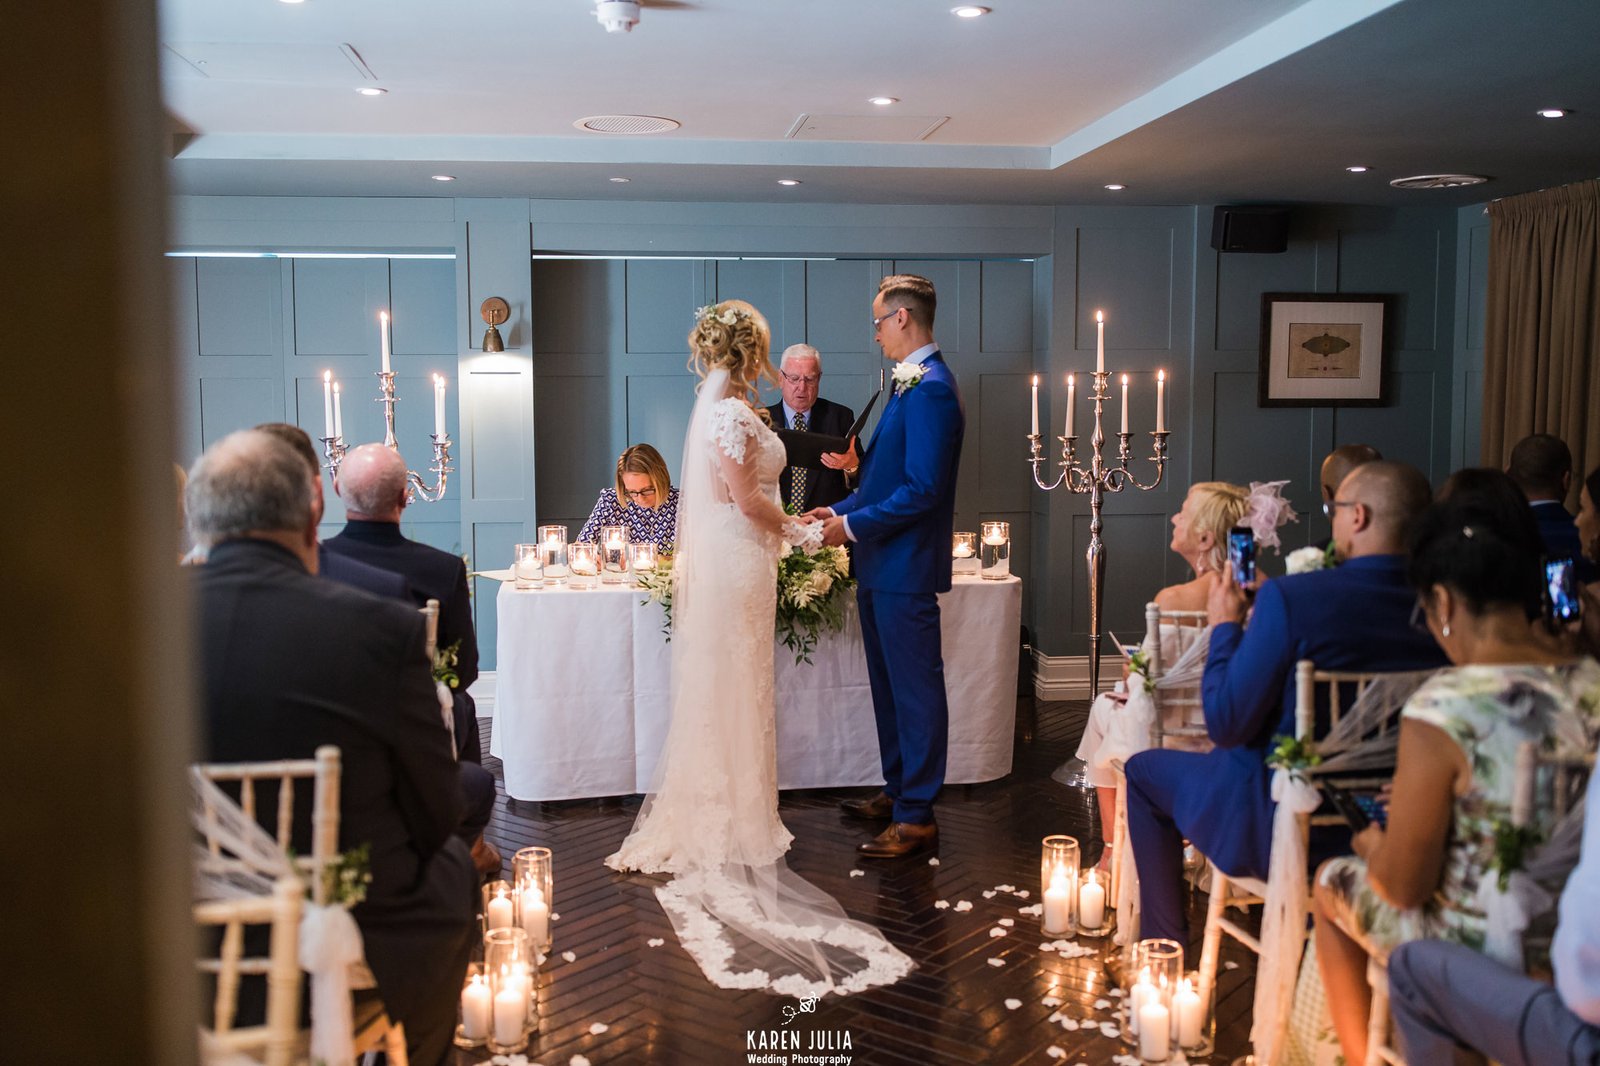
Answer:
(1322, 349)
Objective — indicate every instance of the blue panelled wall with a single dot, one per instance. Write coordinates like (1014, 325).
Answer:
(602, 296)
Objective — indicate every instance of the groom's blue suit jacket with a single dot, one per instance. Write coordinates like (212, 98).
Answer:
(903, 513)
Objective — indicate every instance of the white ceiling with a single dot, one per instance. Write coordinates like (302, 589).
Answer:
(1043, 101)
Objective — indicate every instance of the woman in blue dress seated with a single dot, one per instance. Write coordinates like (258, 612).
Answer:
(643, 500)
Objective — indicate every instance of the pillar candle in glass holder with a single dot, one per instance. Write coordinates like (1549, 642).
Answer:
(477, 1008)
(614, 554)
(499, 909)
(583, 563)
(1091, 902)
(996, 557)
(1058, 877)
(964, 553)
(510, 963)
(1155, 1040)
(1188, 1014)
(641, 556)
(533, 874)
(1157, 966)
(528, 569)
(553, 545)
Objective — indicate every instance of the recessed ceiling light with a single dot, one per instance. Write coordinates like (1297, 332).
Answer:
(883, 101)
(444, 177)
(969, 11)
(1357, 169)
(1553, 112)
(291, 1)
(371, 90)
(1114, 187)
(788, 181)
(619, 181)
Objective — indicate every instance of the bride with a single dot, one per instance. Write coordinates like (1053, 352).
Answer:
(711, 818)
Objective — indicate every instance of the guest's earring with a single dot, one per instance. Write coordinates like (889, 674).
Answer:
(1445, 629)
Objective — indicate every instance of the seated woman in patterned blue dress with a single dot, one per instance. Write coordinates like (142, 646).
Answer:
(644, 501)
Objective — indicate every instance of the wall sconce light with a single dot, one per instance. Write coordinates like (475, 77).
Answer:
(494, 311)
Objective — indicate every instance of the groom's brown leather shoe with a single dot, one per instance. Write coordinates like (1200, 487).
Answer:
(879, 806)
(900, 839)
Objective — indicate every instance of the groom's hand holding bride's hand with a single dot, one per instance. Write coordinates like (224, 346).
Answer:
(832, 525)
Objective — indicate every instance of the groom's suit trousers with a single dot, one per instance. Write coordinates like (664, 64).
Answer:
(908, 697)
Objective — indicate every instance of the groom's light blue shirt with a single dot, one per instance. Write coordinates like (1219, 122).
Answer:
(915, 358)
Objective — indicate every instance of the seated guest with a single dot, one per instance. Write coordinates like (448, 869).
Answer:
(1459, 736)
(345, 569)
(1200, 537)
(477, 784)
(1454, 1005)
(372, 483)
(1541, 465)
(805, 487)
(1352, 617)
(651, 513)
(290, 662)
(1337, 466)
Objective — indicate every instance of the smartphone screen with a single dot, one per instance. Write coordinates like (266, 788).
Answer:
(1561, 591)
(1242, 554)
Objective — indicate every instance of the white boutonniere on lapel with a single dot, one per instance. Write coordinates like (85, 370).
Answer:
(907, 376)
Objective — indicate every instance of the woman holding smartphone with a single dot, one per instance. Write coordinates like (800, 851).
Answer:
(1476, 570)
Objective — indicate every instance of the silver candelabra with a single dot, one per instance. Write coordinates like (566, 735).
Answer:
(1097, 480)
(333, 448)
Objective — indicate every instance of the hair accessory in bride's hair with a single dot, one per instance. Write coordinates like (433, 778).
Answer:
(1267, 510)
(720, 313)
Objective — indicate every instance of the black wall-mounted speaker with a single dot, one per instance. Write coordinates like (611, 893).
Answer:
(1250, 229)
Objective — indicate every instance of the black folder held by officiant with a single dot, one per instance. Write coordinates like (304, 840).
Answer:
(805, 448)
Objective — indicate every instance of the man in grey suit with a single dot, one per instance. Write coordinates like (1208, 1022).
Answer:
(291, 662)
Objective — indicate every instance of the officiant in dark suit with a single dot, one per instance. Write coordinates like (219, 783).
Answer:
(805, 487)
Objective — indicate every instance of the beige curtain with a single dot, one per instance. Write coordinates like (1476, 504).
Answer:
(1541, 357)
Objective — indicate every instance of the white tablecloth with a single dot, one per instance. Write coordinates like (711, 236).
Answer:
(583, 679)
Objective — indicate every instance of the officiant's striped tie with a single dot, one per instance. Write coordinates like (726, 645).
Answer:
(797, 474)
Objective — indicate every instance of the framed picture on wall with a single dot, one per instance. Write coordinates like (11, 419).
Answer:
(1323, 349)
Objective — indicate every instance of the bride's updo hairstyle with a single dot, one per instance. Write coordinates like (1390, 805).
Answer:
(733, 336)
(1218, 507)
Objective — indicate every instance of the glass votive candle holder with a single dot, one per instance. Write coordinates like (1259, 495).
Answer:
(477, 1009)
(614, 554)
(1095, 918)
(641, 557)
(964, 553)
(553, 549)
(509, 963)
(533, 877)
(528, 569)
(583, 563)
(499, 906)
(1156, 970)
(1058, 884)
(996, 550)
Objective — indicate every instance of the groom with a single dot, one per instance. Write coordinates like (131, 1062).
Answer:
(900, 518)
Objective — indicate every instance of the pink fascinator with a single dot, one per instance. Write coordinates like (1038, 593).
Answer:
(1267, 511)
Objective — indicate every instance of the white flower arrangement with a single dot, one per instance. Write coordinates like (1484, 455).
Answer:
(719, 313)
(1305, 560)
(907, 376)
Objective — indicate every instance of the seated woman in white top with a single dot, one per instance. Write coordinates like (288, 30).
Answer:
(1200, 536)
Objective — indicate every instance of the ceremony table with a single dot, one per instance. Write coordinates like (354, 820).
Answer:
(582, 698)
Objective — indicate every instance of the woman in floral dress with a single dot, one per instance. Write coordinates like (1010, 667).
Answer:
(1477, 581)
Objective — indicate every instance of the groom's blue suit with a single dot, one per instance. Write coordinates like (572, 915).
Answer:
(901, 518)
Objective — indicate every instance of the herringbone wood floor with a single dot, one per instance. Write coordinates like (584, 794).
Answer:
(657, 1007)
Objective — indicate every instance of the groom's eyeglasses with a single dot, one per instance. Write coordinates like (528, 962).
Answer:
(886, 316)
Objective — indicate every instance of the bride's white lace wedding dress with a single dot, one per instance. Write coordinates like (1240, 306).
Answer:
(711, 818)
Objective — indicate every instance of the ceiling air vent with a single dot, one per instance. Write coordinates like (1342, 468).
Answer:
(1438, 181)
(631, 125)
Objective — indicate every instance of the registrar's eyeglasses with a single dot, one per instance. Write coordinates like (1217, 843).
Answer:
(640, 494)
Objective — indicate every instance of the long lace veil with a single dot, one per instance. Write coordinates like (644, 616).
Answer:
(745, 918)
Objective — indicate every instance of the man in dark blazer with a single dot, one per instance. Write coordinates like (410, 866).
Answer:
(805, 488)
(291, 662)
(900, 520)
(1355, 616)
(372, 483)
(1541, 465)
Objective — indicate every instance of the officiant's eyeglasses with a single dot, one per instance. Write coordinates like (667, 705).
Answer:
(801, 379)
